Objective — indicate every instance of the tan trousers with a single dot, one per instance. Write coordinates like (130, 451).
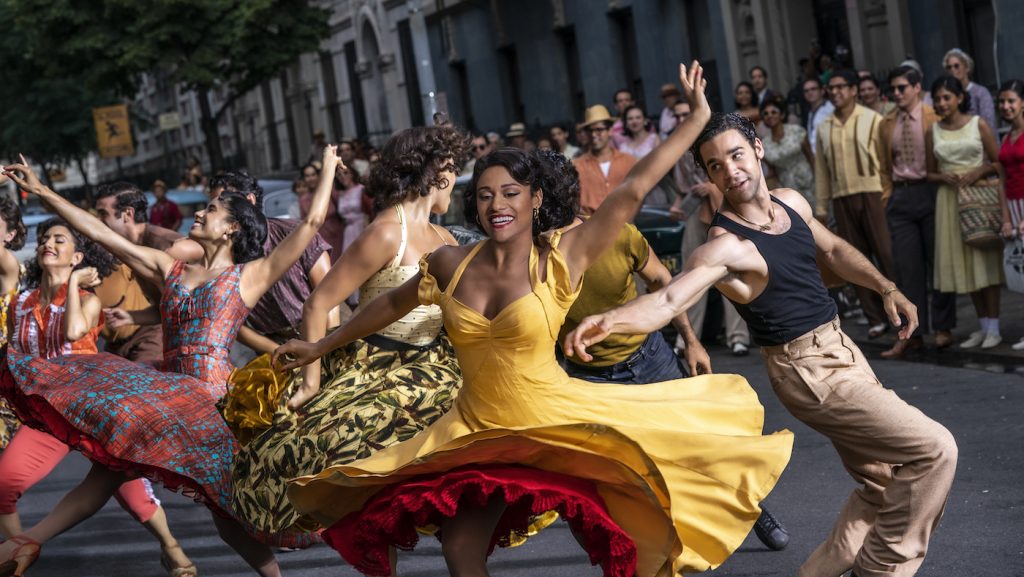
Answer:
(903, 460)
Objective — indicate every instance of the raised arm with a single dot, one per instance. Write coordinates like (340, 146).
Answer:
(150, 264)
(383, 311)
(259, 275)
(368, 254)
(585, 243)
(82, 311)
(650, 312)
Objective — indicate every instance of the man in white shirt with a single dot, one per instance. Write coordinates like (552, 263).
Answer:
(821, 108)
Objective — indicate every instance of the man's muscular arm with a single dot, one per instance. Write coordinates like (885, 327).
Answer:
(850, 264)
(650, 312)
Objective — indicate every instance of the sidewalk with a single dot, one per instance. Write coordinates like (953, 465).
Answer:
(1001, 358)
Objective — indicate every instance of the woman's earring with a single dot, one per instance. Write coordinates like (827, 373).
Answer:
(536, 212)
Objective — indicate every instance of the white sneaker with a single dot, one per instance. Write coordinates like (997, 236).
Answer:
(991, 341)
(974, 340)
(739, 350)
(1019, 345)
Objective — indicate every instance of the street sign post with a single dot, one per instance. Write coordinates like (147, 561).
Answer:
(113, 131)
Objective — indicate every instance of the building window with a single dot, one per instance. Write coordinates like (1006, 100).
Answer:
(355, 86)
(458, 72)
(331, 95)
(571, 54)
(976, 27)
(409, 70)
(624, 40)
(514, 109)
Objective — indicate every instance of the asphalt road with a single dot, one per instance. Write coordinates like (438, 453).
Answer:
(982, 533)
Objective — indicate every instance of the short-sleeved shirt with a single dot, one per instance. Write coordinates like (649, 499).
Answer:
(164, 213)
(607, 284)
(122, 289)
(279, 311)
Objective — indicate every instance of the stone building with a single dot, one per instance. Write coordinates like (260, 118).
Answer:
(389, 64)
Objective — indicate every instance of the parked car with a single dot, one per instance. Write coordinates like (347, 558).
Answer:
(190, 200)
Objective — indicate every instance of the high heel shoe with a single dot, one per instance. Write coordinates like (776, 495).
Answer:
(23, 556)
(168, 564)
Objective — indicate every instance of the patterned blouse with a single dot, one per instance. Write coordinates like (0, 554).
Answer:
(39, 331)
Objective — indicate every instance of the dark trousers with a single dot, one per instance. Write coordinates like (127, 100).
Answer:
(145, 346)
(860, 220)
(653, 362)
(911, 217)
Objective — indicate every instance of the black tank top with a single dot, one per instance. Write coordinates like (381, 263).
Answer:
(795, 300)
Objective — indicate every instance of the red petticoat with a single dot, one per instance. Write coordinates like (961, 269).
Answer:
(391, 516)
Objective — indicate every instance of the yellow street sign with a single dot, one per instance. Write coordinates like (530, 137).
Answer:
(113, 131)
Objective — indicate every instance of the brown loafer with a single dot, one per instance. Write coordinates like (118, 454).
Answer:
(943, 339)
(901, 347)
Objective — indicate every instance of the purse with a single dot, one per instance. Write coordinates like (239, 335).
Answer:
(1013, 265)
(981, 216)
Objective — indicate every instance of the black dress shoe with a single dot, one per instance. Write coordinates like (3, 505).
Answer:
(770, 531)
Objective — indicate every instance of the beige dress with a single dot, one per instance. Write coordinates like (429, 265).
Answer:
(959, 268)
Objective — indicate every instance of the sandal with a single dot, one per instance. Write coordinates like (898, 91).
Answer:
(23, 556)
(168, 565)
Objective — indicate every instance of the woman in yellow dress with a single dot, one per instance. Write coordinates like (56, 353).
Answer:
(654, 480)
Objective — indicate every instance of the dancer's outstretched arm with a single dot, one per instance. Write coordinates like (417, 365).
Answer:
(381, 312)
(709, 264)
(582, 245)
(259, 275)
(149, 263)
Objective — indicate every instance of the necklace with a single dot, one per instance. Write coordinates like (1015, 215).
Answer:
(762, 227)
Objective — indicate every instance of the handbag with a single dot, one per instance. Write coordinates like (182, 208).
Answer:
(1013, 265)
(981, 216)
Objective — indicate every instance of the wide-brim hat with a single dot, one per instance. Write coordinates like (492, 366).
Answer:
(596, 113)
(517, 129)
(667, 89)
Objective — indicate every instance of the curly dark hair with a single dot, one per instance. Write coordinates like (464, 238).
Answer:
(721, 122)
(544, 170)
(561, 185)
(11, 214)
(94, 254)
(128, 196)
(247, 241)
(953, 85)
(241, 182)
(412, 161)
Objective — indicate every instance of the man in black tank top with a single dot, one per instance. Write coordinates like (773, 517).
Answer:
(760, 254)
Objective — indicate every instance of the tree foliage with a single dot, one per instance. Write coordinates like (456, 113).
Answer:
(205, 45)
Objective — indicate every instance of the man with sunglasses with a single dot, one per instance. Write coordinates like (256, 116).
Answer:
(480, 149)
(847, 175)
(602, 167)
(910, 208)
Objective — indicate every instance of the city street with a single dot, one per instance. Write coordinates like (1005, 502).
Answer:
(980, 535)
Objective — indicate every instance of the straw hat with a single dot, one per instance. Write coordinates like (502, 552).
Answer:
(597, 113)
(517, 129)
(667, 89)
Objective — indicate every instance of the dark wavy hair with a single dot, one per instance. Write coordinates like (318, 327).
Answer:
(412, 161)
(777, 101)
(247, 241)
(1013, 86)
(719, 123)
(11, 214)
(753, 93)
(94, 254)
(241, 182)
(625, 113)
(544, 170)
(128, 196)
(953, 85)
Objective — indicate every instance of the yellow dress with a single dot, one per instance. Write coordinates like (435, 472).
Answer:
(680, 466)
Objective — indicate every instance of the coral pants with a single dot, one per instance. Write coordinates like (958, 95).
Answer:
(32, 454)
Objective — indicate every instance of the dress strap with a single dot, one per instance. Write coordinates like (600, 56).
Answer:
(405, 237)
(450, 289)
